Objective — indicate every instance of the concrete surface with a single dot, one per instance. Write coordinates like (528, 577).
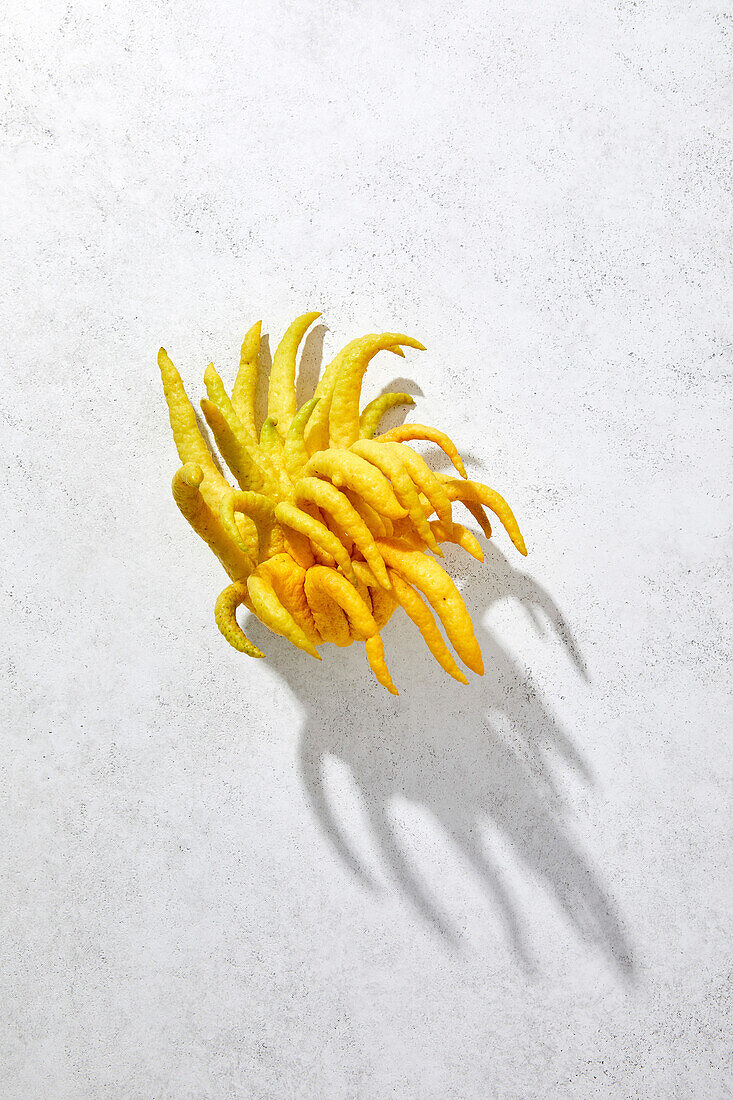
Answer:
(225, 878)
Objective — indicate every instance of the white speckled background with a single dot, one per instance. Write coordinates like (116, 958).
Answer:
(270, 880)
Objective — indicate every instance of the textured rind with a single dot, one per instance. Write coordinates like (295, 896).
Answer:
(281, 392)
(404, 433)
(225, 616)
(376, 409)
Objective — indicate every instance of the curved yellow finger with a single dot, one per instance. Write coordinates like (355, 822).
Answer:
(225, 614)
(345, 469)
(276, 616)
(420, 614)
(359, 615)
(246, 453)
(380, 526)
(460, 536)
(187, 484)
(281, 392)
(474, 492)
(426, 574)
(405, 432)
(377, 663)
(330, 500)
(295, 454)
(316, 436)
(271, 455)
(453, 489)
(343, 418)
(375, 410)
(330, 619)
(248, 533)
(392, 465)
(478, 513)
(321, 556)
(426, 481)
(244, 390)
(190, 444)
(236, 453)
(217, 392)
(292, 516)
(341, 533)
(288, 581)
(259, 508)
(383, 603)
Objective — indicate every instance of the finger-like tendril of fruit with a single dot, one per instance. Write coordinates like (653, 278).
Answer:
(373, 412)
(473, 492)
(406, 432)
(375, 655)
(187, 494)
(274, 614)
(225, 614)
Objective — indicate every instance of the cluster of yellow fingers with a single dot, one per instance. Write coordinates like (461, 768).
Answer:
(329, 529)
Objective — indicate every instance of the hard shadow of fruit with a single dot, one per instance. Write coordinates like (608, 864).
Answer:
(481, 760)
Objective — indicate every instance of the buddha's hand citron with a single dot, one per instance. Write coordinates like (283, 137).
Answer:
(329, 530)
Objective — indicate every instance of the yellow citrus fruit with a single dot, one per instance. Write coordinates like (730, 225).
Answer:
(328, 530)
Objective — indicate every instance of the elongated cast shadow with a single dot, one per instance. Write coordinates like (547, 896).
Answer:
(475, 758)
(478, 758)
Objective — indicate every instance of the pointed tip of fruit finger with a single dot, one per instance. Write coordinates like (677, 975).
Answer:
(473, 661)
